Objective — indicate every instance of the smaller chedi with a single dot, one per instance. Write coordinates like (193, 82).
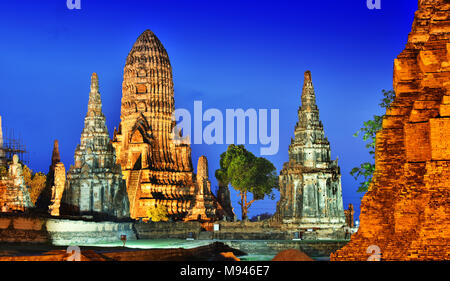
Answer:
(44, 200)
(14, 195)
(310, 183)
(205, 204)
(94, 184)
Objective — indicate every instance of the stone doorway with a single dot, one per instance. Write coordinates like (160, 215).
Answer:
(137, 161)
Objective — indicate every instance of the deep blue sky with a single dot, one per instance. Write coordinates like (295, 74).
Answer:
(229, 54)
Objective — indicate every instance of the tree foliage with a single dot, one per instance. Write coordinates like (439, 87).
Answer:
(34, 181)
(3, 171)
(37, 185)
(156, 214)
(247, 174)
(368, 133)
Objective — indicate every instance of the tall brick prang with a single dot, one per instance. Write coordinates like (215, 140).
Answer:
(157, 165)
(406, 212)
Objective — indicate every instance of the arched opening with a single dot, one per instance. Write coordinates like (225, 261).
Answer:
(137, 161)
(141, 89)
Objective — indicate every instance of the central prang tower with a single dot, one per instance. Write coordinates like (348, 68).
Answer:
(157, 168)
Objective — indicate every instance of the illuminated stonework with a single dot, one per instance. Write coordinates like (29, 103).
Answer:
(94, 184)
(406, 210)
(157, 168)
(204, 204)
(14, 195)
(57, 188)
(310, 183)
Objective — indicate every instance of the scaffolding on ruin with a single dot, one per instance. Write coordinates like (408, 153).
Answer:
(12, 145)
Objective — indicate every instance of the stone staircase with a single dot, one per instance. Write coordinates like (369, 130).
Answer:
(133, 186)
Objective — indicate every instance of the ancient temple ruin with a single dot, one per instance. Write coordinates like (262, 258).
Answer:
(205, 205)
(10, 146)
(14, 194)
(44, 199)
(310, 183)
(157, 167)
(405, 212)
(94, 184)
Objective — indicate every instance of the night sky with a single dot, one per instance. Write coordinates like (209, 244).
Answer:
(228, 54)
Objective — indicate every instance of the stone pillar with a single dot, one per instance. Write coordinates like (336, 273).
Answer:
(57, 188)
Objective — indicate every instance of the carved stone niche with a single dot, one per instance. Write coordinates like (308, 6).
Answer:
(142, 73)
(141, 89)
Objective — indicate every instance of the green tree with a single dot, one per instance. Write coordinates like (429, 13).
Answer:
(157, 213)
(247, 174)
(37, 185)
(3, 171)
(35, 182)
(368, 132)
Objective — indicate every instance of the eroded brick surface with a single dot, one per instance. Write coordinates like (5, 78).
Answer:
(406, 210)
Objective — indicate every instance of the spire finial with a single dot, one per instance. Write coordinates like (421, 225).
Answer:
(94, 82)
(95, 103)
(308, 76)
(55, 155)
(308, 95)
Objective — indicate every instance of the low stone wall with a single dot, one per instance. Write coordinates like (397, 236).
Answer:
(167, 230)
(313, 248)
(245, 230)
(69, 231)
(212, 252)
(17, 229)
(76, 232)
(266, 230)
(23, 228)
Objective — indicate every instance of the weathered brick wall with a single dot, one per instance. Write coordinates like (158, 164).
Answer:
(245, 230)
(271, 247)
(18, 229)
(406, 210)
(22, 228)
(163, 230)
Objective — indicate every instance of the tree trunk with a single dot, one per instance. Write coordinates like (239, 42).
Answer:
(244, 205)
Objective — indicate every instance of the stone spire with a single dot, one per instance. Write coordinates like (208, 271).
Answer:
(310, 183)
(94, 121)
(55, 155)
(202, 169)
(94, 184)
(205, 205)
(158, 169)
(310, 147)
(308, 94)
(95, 102)
(44, 199)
